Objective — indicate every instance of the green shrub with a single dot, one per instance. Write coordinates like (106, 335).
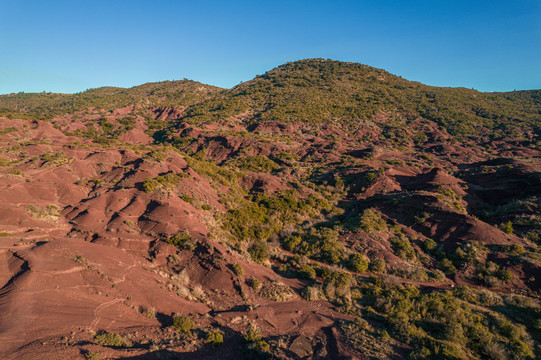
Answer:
(357, 263)
(516, 249)
(89, 355)
(149, 185)
(156, 155)
(378, 266)
(507, 227)
(306, 272)
(255, 283)
(429, 245)
(371, 220)
(505, 275)
(214, 338)
(259, 251)
(168, 181)
(252, 335)
(183, 241)
(110, 339)
(257, 163)
(238, 270)
(183, 324)
(447, 266)
(8, 130)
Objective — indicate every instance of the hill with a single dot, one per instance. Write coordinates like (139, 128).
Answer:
(321, 210)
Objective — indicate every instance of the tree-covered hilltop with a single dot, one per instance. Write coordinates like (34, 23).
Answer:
(318, 91)
(42, 106)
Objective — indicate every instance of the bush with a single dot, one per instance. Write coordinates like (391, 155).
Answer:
(357, 263)
(255, 283)
(183, 241)
(306, 272)
(312, 293)
(516, 250)
(149, 312)
(259, 251)
(505, 275)
(238, 270)
(110, 339)
(214, 338)
(378, 266)
(371, 220)
(183, 324)
(89, 355)
(257, 163)
(252, 335)
(429, 245)
(507, 227)
(149, 185)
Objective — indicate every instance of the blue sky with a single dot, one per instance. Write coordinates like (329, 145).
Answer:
(70, 46)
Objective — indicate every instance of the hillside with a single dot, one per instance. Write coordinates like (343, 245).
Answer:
(322, 210)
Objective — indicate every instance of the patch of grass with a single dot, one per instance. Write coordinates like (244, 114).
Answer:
(8, 130)
(16, 172)
(277, 292)
(51, 212)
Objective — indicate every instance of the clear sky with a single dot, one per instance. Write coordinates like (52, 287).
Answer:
(73, 45)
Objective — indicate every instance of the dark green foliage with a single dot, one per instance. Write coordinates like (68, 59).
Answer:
(447, 266)
(252, 335)
(402, 247)
(443, 325)
(255, 283)
(429, 245)
(167, 181)
(516, 250)
(156, 155)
